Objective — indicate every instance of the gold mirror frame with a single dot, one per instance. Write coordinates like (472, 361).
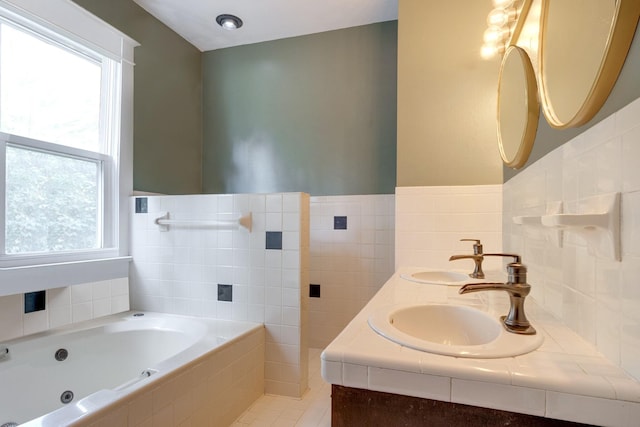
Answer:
(515, 144)
(607, 65)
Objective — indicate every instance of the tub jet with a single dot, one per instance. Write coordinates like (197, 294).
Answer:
(66, 396)
(61, 354)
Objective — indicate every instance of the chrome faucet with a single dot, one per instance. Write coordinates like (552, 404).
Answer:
(517, 287)
(477, 258)
(4, 353)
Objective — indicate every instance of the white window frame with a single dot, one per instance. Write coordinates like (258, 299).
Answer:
(25, 273)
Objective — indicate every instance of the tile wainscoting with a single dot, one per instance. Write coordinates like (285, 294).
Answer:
(599, 298)
(351, 258)
(430, 221)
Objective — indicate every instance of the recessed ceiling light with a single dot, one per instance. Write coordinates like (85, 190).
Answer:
(229, 22)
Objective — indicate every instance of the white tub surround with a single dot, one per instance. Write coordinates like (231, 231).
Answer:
(566, 378)
(64, 306)
(134, 369)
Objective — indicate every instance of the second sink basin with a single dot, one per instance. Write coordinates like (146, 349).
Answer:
(438, 277)
(452, 330)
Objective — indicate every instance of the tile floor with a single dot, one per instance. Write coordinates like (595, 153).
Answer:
(312, 410)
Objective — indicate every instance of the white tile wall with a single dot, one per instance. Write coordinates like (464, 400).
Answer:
(598, 298)
(349, 265)
(178, 271)
(430, 221)
(66, 305)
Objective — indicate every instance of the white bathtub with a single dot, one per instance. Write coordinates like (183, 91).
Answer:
(112, 360)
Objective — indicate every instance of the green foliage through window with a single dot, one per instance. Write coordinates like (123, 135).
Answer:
(51, 202)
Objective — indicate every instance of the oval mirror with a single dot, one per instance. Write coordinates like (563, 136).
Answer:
(518, 108)
(583, 46)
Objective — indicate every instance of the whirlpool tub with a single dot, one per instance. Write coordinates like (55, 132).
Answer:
(133, 369)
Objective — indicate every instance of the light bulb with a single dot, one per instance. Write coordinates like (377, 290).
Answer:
(502, 3)
(498, 17)
(493, 35)
(228, 24)
(488, 51)
(491, 50)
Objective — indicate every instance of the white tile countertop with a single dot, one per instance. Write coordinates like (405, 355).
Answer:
(565, 378)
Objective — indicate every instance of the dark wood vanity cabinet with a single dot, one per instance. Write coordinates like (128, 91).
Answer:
(365, 408)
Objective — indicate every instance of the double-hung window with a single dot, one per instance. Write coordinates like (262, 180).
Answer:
(60, 142)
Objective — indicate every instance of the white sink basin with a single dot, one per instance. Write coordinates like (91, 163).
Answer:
(451, 330)
(438, 277)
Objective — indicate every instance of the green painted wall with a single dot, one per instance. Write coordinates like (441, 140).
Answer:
(314, 113)
(626, 90)
(167, 100)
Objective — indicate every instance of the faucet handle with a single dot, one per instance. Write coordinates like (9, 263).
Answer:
(516, 270)
(516, 258)
(477, 246)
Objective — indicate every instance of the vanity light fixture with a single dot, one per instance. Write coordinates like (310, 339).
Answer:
(501, 17)
(500, 21)
(503, 3)
(229, 22)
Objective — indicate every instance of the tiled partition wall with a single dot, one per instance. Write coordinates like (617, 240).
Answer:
(351, 258)
(179, 271)
(597, 297)
(430, 221)
(64, 305)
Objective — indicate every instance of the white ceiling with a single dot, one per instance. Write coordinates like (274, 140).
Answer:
(264, 19)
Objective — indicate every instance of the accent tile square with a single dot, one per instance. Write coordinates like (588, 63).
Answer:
(314, 291)
(225, 292)
(274, 240)
(339, 222)
(34, 301)
(141, 205)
